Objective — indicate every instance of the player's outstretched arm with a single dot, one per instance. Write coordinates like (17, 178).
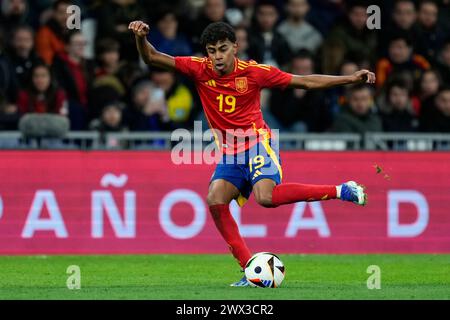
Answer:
(147, 51)
(318, 81)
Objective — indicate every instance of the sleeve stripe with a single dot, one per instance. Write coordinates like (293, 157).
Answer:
(261, 66)
(197, 59)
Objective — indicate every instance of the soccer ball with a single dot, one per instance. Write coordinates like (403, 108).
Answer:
(265, 270)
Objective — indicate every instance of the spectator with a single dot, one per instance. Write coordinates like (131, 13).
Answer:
(348, 67)
(435, 117)
(50, 37)
(404, 16)
(336, 97)
(431, 35)
(351, 37)
(8, 81)
(113, 18)
(213, 11)
(324, 14)
(359, 115)
(14, 13)
(74, 74)
(242, 42)
(110, 120)
(129, 74)
(9, 115)
(299, 110)
(443, 63)
(107, 87)
(108, 57)
(22, 54)
(167, 38)
(178, 98)
(404, 19)
(42, 94)
(266, 44)
(444, 14)
(242, 11)
(148, 111)
(396, 110)
(429, 84)
(152, 8)
(297, 31)
(401, 60)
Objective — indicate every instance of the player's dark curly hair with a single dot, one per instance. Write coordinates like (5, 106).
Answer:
(217, 31)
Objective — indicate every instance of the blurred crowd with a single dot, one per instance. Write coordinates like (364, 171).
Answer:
(95, 78)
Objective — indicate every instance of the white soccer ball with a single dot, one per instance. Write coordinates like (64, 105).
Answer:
(265, 270)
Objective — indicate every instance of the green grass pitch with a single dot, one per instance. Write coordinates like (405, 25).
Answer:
(208, 277)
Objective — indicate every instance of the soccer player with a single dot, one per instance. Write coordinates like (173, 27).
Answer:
(229, 90)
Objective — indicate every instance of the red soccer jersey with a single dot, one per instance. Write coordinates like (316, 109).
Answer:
(232, 102)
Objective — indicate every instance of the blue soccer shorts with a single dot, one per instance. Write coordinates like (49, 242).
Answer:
(244, 169)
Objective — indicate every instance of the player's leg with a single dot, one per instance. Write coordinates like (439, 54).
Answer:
(270, 195)
(265, 173)
(294, 192)
(220, 194)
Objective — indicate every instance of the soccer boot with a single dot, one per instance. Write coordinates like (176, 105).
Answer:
(353, 192)
(241, 283)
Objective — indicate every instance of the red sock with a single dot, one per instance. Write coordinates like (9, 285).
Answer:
(230, 232)
(294, 192)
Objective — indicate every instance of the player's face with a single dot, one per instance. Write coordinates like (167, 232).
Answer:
(222, 55)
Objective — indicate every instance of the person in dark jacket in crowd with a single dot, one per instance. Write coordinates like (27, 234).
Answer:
(212, 11)
(266, 44)
(299, 109)
(74, 73)
(443, 63)
(403, 20)
(396, 108)
(22, 54)
(435, 116)
(108, 57)
(427, 87)
(111, 118)
(359, 115)
(113, 17)
(8, 80)
(349, 38)
(13, 14)
(431, 35)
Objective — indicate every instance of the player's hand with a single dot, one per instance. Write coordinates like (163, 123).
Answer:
(364, 76)
(139, 28)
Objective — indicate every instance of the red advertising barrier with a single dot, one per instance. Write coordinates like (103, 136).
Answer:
(140, 202)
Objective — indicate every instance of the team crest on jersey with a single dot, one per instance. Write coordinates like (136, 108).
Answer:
(241, 84)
